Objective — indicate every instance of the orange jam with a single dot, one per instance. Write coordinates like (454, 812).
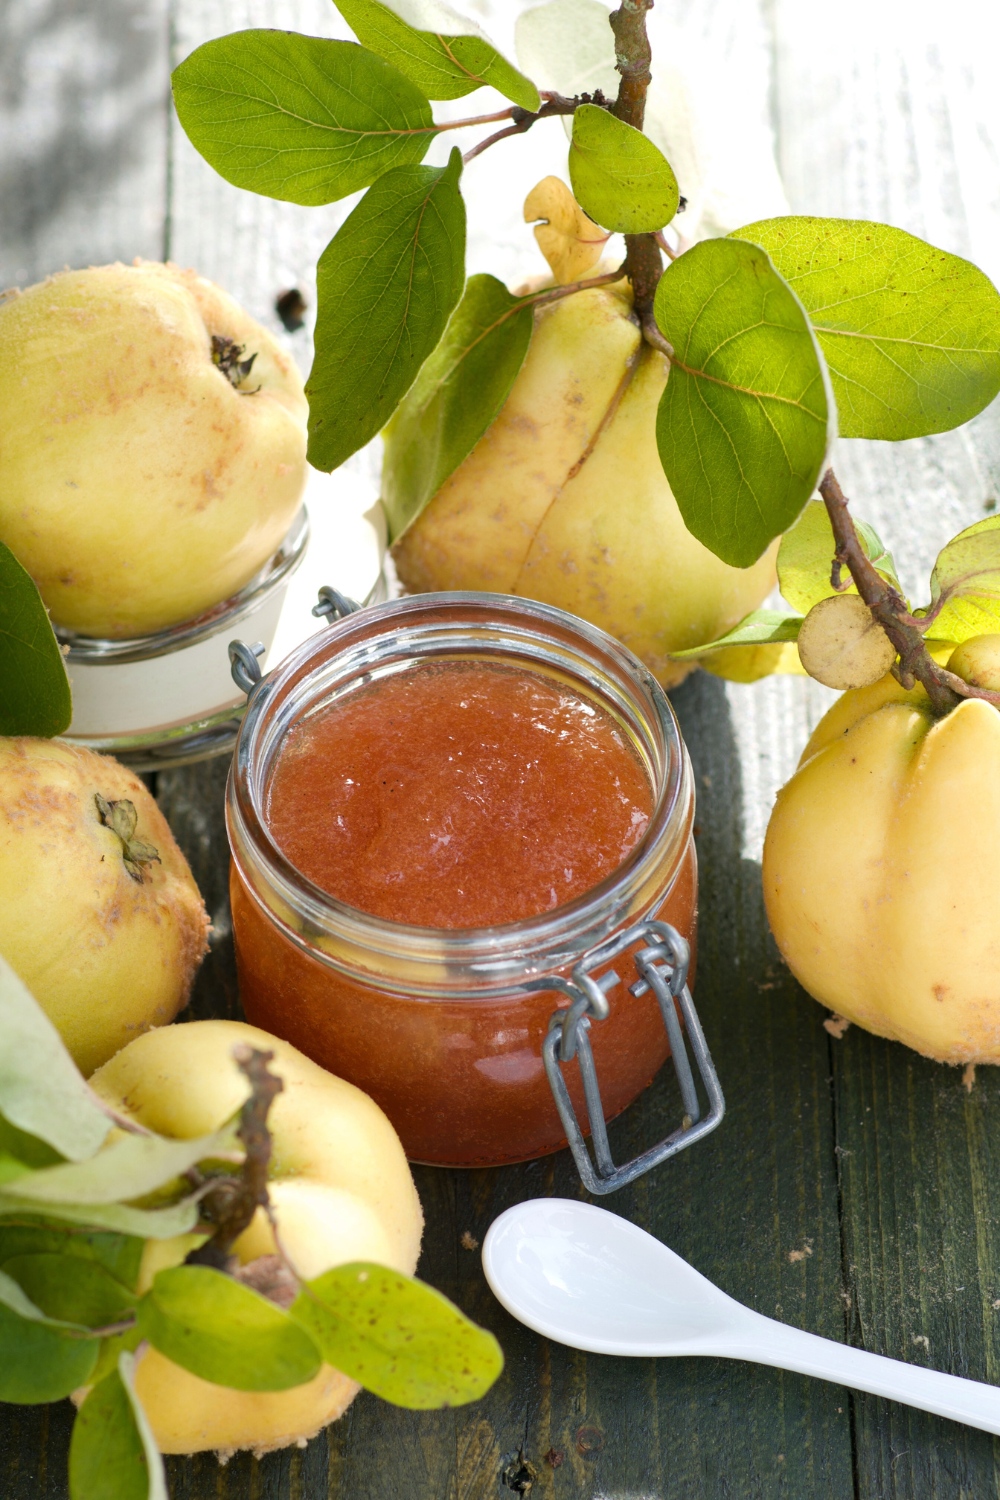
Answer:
(455, 795)
(434, 806)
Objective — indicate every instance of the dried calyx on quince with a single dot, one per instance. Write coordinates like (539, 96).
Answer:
(122, 818)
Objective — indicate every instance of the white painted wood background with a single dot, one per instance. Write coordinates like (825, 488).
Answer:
(873, 108)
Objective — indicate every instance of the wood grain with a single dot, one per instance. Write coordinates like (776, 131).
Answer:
(902, 128)
(83, 122)
(850, 1189)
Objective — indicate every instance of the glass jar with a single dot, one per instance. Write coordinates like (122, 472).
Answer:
(161, 700)
(438, 1025)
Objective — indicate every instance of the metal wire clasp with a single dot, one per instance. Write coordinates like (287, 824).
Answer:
(244, 663)
(333, 605)
(662, 966)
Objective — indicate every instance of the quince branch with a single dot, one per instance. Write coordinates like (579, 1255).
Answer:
(643, 261)
(944, 689)
(556, 293)
(642, 252)
(555, 104)
(231, 1203)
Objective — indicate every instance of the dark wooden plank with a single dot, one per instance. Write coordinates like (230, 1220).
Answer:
(893, 117)
(898, 126)
(921, 1238)
(193, 802)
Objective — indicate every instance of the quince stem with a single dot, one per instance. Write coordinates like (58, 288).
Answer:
(556, 293)
(643, 261)
(944, 689)
(555, 104)
(231, 1204)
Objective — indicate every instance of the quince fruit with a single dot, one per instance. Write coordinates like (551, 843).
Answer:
(152, 445)
(882, 864)
(99, 913)
(340, 1191)
(564, 498)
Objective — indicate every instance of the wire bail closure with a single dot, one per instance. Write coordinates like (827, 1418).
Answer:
(662, 966)
(244, 660)
(332, 605)
(244, 665)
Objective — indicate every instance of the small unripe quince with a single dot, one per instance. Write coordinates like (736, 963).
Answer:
(842, 646)
(146, 472)
(99, 913)
(564, 498)
(882, 864)
(978, 662)
(340, 1189)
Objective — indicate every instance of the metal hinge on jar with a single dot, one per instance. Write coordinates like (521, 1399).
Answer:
(244, 658)
(662, 966)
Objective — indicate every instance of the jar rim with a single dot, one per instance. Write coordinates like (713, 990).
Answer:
(357, 942)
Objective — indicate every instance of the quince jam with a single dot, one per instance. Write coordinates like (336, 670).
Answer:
(458, 795)
(412, 845)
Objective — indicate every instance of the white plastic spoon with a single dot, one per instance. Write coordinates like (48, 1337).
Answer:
(584, 1277)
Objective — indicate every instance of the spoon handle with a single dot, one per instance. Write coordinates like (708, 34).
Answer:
(765, 1341)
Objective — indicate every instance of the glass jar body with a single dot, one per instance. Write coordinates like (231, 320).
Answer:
(461, 1079)
(437, 1026)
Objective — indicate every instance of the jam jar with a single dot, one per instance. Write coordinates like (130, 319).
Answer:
(444, 1025)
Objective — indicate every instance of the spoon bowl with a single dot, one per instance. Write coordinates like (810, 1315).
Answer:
(585, 1277)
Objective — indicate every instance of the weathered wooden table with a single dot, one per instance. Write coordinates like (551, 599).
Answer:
(852, 1188)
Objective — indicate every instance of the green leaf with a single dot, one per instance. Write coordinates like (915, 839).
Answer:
(399, 1338)
(26, 1149)
(16, 1299)
(112, 1453)
(878, 554)
(130, 1167)
(619, 177)
(12, 1170)
(298, 117)
(965, 585)
(111, 1348)
(387, 284)
(444, 65)
(149, 1223)
(34, 689)
(42, 1091)
(225, 1332)
(805, 558)
(119, 1254)
(911, 334)
(745, 420)
(455, 397)
(751, 663)
(70, 1288)
(759, 628)
(41, 1358)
